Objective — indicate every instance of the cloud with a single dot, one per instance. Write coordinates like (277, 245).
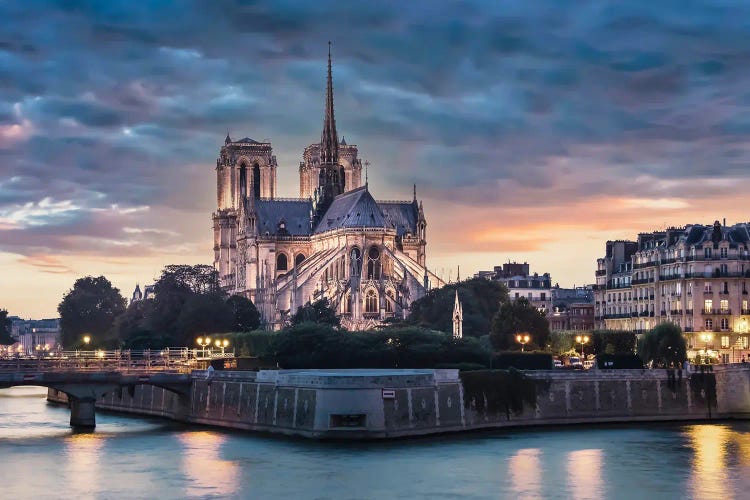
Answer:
(112, 113)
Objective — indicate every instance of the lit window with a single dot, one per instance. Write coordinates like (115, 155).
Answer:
(745, 341)
(724, 341)
(708, 305)
(724, 305)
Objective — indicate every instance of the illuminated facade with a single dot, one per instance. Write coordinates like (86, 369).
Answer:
(695, 276)
(367, 257)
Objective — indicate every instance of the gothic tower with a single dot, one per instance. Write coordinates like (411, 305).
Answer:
(331, 176)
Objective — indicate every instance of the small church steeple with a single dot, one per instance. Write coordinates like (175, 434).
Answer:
(458, 319)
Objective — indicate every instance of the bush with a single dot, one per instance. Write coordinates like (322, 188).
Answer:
(522, 360)
(619, 362)
(663, 346)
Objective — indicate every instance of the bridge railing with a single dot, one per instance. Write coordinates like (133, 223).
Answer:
(173, 359)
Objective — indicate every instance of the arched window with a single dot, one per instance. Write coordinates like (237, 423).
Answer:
(281, 262)
(256, 180)
(243, 180)
(388, 299)
(373, 263)
(355, 262)
(371, 301)
(348, 303)
(299, 259)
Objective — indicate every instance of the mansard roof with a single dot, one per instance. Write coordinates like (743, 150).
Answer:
(355, 208)
(400, 215)
(295, 214)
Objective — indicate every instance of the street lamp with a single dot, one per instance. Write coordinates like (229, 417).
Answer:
(523, 340)
(222, 344)
(582, 339)
(204, 343)
(87, 340)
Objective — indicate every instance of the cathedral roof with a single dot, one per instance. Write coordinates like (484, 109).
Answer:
(294, 213)
(248, 140)
(400, 215)
(355, 208)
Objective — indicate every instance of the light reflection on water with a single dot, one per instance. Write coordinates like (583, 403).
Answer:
(141, 458)
(207, 472)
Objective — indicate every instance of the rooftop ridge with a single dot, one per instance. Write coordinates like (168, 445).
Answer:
(301, 200)
(405, 202)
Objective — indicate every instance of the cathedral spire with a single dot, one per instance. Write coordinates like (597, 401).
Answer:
(329, 141)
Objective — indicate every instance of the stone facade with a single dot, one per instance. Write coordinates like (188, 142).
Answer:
(378, 404)
(695, 276)
(367, 257)
(521, 283)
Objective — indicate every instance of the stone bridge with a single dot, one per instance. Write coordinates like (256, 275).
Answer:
(84, 386)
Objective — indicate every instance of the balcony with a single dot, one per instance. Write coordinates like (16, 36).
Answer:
(689, 312)
(601, 272)
(650, 297)
(663, 313)
(651, 314)
(675, 312)
(745, 311)
(642, 281)
(716, 312)
(644, 313)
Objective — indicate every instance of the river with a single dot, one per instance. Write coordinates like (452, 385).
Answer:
(132, 458)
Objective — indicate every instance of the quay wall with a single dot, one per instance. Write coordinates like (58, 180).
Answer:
(357, 404)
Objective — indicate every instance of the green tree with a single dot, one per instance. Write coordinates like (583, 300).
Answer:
(613, 341)
(5, 329)
(480, 299)
(518, 316)
(245, 316)
(319, 312)
(90, 307)
(202, 313)
(664, 345)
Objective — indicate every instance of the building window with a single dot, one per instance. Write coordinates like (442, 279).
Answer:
(707, 287)
(745, 341)
(725, 326)
(724, 304)
(707, 253)
(709, 324)
(723, 253)
(708, 304)
(373, 263)
(298, 259)
(744, 306)
(281, 262)
(371, 302)
(725, 341)
(543, 296)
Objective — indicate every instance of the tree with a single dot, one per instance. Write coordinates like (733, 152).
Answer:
(5, 329)
(518, 316)
(664, 346)
(202, 313)
(245, 317)
(319, 312)
(480, 299)
(90, 307)
(613, 341)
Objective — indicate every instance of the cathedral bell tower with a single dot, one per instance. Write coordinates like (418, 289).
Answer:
(331, 181)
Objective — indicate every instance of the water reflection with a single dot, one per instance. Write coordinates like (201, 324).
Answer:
(585, 473)
(708, 478)
(207, 472)
(83, 458)
(526, 473)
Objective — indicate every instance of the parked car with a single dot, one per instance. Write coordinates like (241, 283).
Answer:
(557, 363)
(575, 362)
(588, 364)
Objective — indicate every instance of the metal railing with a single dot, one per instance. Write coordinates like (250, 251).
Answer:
(176, 360)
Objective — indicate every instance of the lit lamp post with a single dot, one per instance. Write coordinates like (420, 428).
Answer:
(203, 343)
(222, 344)
(86, 340)
(582, 339)
(523, 340)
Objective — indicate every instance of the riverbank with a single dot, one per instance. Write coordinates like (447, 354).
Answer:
(381, 404)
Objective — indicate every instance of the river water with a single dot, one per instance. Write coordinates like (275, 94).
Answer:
(133, 458)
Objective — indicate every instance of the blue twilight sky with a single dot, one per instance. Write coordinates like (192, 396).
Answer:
(535, 130)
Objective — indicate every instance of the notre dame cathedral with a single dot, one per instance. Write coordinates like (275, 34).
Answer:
(334, 241)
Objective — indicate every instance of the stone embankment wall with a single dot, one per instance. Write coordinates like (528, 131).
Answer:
(393, 403)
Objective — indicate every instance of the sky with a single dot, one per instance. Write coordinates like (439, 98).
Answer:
(534, 130)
